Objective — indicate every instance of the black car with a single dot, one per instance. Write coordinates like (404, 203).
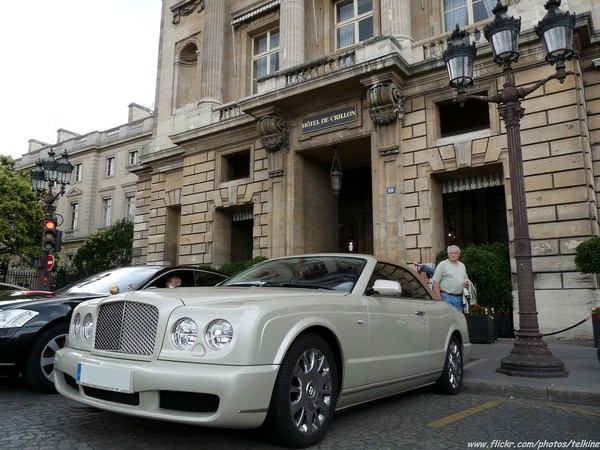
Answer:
(33, 329)
(14, 292)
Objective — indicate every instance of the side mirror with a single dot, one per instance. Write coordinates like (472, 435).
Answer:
(387, 287)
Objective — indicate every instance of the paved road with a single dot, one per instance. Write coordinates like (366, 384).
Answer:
(418, 420)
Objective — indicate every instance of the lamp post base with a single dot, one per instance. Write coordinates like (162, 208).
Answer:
(531, 358)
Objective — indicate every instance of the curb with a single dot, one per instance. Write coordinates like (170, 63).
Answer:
(550, 393)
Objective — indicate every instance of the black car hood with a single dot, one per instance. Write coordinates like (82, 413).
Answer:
(33, 303)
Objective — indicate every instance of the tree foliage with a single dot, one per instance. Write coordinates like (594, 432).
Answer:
(233, 268)
(21, 214)
(104, 250)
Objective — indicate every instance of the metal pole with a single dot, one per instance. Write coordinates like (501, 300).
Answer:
(530, 356)
(44, 281)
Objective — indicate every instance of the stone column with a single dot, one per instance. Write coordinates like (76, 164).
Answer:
(291, 33)
(395, 18)
(213, 39)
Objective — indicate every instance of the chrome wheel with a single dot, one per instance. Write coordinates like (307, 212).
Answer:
(49, 354)
(310, 391)
(304, 395)
(39, 365)
(455, 365)
(450, 381)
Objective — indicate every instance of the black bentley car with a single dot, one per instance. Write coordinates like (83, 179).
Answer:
(33, 329)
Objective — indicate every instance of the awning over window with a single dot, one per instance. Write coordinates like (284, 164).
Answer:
(255, 12)
(471, 183)
(242, 215)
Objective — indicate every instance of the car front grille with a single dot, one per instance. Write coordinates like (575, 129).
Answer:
(126, 327)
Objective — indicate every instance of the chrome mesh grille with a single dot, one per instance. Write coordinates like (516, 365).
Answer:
(126, 327)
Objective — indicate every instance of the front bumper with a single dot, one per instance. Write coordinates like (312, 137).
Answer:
(171, 391)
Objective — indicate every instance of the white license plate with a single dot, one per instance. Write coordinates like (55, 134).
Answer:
(109, 378)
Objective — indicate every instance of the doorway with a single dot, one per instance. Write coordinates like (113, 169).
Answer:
(355, 209)
(349, 214)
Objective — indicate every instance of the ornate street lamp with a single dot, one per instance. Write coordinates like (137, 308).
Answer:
(530, 356)
(459, 59)
(47, 173)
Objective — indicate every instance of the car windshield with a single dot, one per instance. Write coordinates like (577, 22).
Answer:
(125, 278)
(338, 273)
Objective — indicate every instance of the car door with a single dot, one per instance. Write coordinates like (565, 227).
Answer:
(208, 278)
(399, 329)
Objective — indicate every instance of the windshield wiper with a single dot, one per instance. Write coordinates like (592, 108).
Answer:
(247, 284)
(280, 284)
(305, 286)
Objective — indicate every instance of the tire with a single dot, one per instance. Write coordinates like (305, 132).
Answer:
(39, 365)
(451, 379)
(305, 394)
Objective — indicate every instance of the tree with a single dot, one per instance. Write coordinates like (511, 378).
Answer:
(20, 213)
(104, 250)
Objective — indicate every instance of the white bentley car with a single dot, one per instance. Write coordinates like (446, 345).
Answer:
(282, 345)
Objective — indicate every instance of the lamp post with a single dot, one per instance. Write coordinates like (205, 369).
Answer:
(46, 174)
(530, 356)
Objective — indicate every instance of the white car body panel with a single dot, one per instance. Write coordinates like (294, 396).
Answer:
(385, 344)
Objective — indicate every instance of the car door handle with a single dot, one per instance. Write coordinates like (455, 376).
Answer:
(420, 313)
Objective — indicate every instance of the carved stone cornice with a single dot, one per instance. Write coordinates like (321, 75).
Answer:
(185, 8)
(274, 131)
(386, 103)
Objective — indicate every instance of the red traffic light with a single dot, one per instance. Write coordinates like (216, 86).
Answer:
(50, 236)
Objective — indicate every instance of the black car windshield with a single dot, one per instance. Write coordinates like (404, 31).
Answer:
(125, 278)
(338, 273)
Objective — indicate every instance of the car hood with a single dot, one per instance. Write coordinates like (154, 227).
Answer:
(226, 295)
(32, 303)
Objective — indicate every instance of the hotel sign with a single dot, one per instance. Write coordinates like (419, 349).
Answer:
(329, 119)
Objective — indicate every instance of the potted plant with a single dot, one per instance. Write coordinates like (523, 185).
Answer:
(596, 325)
(481, 325)
(587, 261)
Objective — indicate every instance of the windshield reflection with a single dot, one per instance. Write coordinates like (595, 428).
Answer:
(125, 278)
(338, 273)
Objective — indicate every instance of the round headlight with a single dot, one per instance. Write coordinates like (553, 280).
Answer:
(185, 334)
(86, 327)
(219, 334)
(76, 327)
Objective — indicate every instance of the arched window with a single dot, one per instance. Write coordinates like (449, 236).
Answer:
(187, 75)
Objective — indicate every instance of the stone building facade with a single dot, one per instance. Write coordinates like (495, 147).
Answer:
(102, 189)
(255, 99)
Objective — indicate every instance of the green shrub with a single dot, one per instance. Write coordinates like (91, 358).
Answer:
(233, 268)
(488, 267)
(587, 255)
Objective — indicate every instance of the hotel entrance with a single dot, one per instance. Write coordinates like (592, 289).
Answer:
(348, 217)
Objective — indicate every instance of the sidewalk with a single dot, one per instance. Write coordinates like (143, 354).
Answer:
(581, 386)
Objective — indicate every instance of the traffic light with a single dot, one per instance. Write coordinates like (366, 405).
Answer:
(50, 236)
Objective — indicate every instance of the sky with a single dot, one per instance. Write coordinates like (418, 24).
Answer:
(75, 65)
